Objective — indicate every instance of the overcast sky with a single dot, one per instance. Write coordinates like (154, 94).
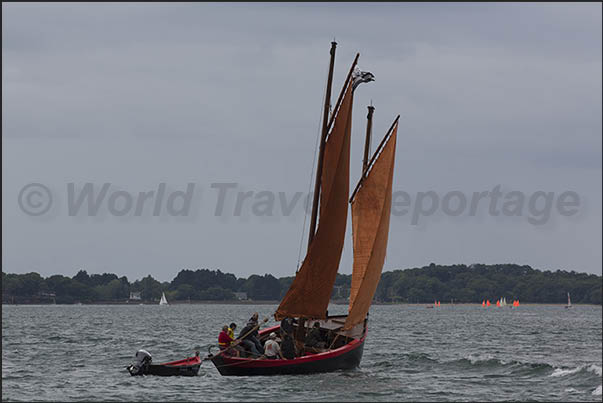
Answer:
(139, 94)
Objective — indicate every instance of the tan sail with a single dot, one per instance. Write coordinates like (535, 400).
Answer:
(371, 206)
(311, 289)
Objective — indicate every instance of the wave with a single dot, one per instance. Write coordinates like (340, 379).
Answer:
(487, 361)
(595, 369)
(597, 392)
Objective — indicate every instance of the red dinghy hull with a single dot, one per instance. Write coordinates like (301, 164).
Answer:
(345, 357)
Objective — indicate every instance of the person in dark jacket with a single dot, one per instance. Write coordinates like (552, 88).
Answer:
(249, 336)
(314, 337)
(288, 347)
(287, 326)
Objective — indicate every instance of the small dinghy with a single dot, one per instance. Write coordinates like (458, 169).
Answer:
(144, 366)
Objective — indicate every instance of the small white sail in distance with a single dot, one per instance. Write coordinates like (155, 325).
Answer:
(163, 300)
(569, 301)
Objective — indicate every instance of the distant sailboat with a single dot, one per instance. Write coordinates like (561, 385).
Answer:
(569, 301)
(163, 300)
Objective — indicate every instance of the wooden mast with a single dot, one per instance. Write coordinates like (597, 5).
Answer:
(367, 142)
(301, 331)
(321, 152)
(375, 156)
(323, 139)
(326, 125)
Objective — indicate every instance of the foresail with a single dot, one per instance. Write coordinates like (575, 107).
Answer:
(371, 207)
(311, 289)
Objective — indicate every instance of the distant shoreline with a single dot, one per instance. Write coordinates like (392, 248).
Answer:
(249, 302)
(445, 283)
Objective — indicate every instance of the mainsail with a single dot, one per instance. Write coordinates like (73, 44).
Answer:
(371, 206)
(311, 289)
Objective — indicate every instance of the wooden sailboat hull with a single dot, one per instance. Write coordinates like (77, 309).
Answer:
(345, 357)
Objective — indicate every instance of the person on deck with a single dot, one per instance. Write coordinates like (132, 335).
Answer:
(288, 347)
(287, 326)
(249, 336)
(231, 330)
(314, 338)
(224, 340)
(227, 342)
(255, 334)
(272, 350)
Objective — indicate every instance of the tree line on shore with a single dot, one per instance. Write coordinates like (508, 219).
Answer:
(456, 283)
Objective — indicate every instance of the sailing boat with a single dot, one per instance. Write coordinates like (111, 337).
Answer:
(307, 299)
(569, 301)
(163, 300)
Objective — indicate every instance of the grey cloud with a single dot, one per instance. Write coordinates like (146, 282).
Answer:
(139, 94)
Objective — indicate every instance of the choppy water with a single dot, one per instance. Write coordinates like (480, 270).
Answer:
(411, 353)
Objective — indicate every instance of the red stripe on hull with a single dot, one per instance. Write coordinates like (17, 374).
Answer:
(345, 357)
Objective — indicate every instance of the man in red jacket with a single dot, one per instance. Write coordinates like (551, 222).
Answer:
(225, 341)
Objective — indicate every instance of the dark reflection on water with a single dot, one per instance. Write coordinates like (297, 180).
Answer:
(411, 353)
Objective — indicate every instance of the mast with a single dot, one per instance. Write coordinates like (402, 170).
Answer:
(317, 183)
(371, 209)
(309, 293)
(375, 155)
(321, 152)
(367, 143)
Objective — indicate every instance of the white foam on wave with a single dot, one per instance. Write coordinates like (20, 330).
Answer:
(597, 392)
(591, 368)
(563, 372)
(596, 369)
(477, 358)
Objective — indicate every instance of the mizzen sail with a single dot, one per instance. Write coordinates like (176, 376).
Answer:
(311, 289)
(371, 207)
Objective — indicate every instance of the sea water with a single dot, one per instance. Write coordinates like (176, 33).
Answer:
(454, 352)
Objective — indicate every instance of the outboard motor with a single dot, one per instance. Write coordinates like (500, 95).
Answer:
(143, 360)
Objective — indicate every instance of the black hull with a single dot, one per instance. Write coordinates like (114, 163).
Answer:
(349, 359)
(186, 367)
(164, 370)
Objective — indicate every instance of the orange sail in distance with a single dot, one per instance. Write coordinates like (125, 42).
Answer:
(488, 302)
(483, 302)
(498, 303)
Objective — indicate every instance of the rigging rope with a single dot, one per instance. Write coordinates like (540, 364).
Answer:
(318, 136)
